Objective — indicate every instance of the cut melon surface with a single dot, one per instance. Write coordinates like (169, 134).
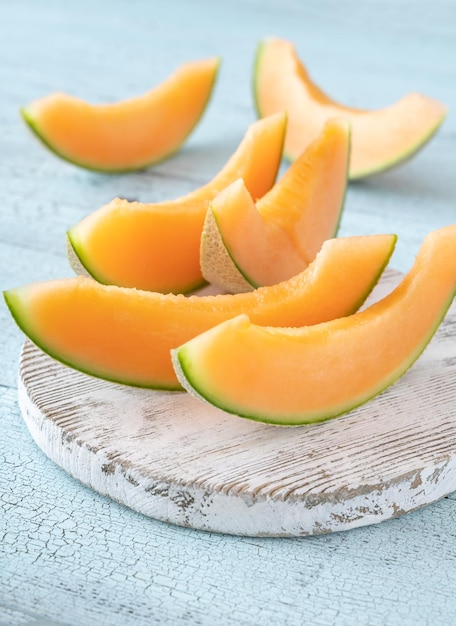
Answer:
(245, 244)
(381, 139)
(292, 376)
(126, 335)
(156, 246)
(127, 135)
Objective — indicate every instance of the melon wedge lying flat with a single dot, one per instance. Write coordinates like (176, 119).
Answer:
(294, 376)
(126, 135)
(380, 139)
(126, 335)
(245, 245)
(155, 247)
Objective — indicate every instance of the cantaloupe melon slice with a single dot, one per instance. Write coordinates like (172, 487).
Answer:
(245, 245)
(156, 246)
(126, 335)
(293, 376)
(380, 139)
(126, 135)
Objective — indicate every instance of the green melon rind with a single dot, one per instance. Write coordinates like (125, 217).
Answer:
(187, 381)
(188, 377)
(347, 178)
(74, 259)
(80, 263)
(376, 278)
(81, 266)
(34, 125)
(238, 279)
(401, 158)
(256, 70)
(224, 271)
(13, 300)
(225, 251)
(359, 174)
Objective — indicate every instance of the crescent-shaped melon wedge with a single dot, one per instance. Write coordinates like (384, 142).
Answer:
(291, 376)
(126, 335)
(245, 244)
(155, 247)
(127, 135)
(381, 139)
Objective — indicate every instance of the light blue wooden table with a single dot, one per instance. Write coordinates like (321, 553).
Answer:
(70, 556)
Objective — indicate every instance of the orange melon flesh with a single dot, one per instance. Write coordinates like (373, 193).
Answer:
(380, 139)
(126, 135)
(126, 335)
(293, 376)
(156, 246)
(277, 237)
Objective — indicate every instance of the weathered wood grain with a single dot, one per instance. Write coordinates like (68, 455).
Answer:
(70, 556)
(175, 459)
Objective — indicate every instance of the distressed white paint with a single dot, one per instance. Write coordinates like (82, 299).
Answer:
(70, 556)
(178, 460)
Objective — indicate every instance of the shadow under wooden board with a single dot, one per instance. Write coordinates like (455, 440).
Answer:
(173, 458)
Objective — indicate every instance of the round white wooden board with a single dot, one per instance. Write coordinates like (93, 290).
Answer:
(178, 460)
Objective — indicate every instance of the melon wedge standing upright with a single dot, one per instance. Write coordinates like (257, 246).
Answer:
(245, 245)
(291, 376)
(126, 335)
(380, 139)
(126, 135)
(155, 247)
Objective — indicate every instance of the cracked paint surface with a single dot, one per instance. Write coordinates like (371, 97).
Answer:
(67, 552)
(69, 557)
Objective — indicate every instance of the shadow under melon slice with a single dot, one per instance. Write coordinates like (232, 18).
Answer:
(126, 335)
(127, 135)
(292, 376)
